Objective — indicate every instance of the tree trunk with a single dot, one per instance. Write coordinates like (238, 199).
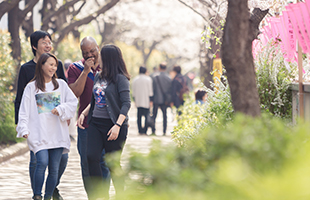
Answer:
(206, 63)
(239, 32)
(205, 66)
(14, 25)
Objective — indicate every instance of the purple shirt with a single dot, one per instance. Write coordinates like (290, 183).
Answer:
(85, 98)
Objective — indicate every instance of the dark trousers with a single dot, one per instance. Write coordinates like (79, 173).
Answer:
(96, 142)
(142, 112)
(163, 108)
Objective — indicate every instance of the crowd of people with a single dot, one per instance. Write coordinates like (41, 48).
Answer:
(158, 90)
(47, 99)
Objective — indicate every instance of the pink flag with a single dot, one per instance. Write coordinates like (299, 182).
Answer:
(288, 54)
(306, 18)
(300, 20)
(296, 27)
(291, 38)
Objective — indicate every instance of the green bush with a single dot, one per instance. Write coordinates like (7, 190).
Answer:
(7, 76)
(260, 158)
(273, 80)
(195, 116)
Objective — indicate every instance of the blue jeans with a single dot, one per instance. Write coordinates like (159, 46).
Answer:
(82, 148)
(50, 158)
(33, 164)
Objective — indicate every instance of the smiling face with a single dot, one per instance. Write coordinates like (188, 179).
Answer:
(49, 69)
(90, 50)
(44, 46)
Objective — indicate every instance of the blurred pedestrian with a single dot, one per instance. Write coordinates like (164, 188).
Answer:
(162, 96)
(142, 90)
(107, 118)
(81, 76)
(41, 42)
(178, 87)
(46, 105)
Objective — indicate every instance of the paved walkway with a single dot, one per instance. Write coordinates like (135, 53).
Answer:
(14, 176)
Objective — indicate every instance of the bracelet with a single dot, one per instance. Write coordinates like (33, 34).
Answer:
(117, 124)
(83, 114)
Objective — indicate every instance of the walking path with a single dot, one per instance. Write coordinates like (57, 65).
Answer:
(14, 176)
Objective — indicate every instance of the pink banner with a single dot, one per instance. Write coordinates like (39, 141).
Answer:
(288, 54)
(308, 5)
(301, 24)
(291, 38)
(268, 32)
(297, 29)
(306, 19)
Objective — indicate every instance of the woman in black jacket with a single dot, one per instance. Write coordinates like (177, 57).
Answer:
(107, 118)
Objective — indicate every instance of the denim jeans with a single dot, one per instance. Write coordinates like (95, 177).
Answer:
(33, 163)
(82, 149)
(47, 158)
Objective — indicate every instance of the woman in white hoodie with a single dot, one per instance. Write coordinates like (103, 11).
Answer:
(46, 105)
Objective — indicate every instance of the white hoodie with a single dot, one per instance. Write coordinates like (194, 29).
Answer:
(46, 130)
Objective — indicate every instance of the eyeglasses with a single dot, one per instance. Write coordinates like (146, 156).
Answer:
(47, 43)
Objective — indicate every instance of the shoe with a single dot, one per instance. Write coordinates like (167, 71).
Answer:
(153, 134)
(37, 197)
(56, 195)
(164, 134)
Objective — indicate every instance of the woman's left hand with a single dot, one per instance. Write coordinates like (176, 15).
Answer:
(113, 133)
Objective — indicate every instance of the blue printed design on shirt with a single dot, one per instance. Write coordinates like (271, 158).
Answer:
(99, 92)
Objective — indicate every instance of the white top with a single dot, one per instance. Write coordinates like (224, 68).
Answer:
(142, 90)
(46, 130)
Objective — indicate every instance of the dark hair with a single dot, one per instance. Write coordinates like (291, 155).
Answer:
(39, 77)
(112, 63)
(162, 65)
(199, 94)
(35, 37)
(142, 70)
(177, 69)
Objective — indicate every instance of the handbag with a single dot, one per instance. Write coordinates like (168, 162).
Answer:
(150, 121)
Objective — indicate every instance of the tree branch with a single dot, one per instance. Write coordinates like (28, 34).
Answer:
(257, 16)
(62, 33)
(28, 8)
(207, 20)
(6, 6)
(65, 6)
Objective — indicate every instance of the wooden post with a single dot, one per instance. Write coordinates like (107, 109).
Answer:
(301, 89)
(300, 81)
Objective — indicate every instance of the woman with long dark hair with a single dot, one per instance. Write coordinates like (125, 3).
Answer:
(46, 105)
(107, 117)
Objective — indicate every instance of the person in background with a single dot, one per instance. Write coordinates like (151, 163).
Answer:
(200, 97)
(178, 87)
(46, 105)
(107, 119)
(41, 42)
(67, 63)
(142, 90)
(161, 87)
(81, 76)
